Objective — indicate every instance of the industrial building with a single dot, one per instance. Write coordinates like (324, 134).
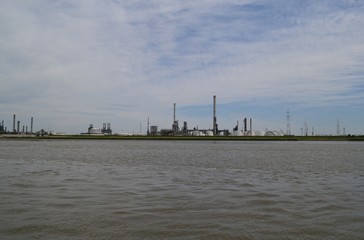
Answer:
(105, 130)
(184, 131)
(3, 129)
(17, 127)
(175, 130)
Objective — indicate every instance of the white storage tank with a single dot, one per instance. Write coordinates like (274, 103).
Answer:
(94, 131)
(259, 133)
(209, 133)
(198, 133)
(237, 133)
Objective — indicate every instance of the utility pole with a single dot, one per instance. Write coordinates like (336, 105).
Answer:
(306, 128)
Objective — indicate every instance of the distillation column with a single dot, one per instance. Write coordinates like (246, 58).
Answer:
(214, 127)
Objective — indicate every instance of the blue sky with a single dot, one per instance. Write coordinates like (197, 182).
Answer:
(70, 63)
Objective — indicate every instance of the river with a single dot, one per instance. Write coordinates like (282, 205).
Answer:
(105, 189)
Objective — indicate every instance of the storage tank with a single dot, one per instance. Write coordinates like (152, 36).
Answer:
(237, 133)
(198, 133)
(259, 133)
(209, 133)
(94, 131)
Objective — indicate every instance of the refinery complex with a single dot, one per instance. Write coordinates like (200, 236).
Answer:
(17, 127)
(177, 130)
(246, 128)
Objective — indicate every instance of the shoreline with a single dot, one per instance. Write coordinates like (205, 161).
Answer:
(185, 138)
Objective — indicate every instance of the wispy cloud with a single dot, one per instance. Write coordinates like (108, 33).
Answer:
(82, 56)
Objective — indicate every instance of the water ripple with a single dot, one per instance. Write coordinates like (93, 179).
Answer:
(181, 190)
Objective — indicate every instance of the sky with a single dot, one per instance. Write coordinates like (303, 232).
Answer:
(71, 63)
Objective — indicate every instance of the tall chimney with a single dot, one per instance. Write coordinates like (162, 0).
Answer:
(214, 117)
(31, 125)
(174, 113)
(251, 126)
(14, 129)
(18, 127)
(148, 132)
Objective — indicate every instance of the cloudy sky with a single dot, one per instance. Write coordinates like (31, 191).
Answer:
(69, 63)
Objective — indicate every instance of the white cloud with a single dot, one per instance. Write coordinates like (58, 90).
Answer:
(127, 60)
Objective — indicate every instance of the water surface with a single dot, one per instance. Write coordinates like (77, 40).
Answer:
(89, 189)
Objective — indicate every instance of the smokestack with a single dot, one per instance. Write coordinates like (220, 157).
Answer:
(148, 133)
(14, 129)
(214, 117)
(174, 113)
(251, 126)
(245, 123)
(18, 127)
(31, 125)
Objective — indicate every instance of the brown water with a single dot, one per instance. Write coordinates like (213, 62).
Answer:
(181, 190)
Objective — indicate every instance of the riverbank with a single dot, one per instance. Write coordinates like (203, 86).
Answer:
(188, 138)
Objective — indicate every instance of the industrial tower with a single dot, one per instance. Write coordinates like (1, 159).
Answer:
(175, 126)
(288, 131)
(214, 126)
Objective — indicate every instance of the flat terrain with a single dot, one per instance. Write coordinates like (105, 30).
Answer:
(192, 138)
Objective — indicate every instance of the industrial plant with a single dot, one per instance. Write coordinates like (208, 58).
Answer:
(245, 129)
(105, 130)
(175, 130)
(17, 127)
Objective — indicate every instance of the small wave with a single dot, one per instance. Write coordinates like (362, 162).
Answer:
(329, 208)
(247, 185)
(264, 195)
(26, 229)
(261, 202)
(24, 185)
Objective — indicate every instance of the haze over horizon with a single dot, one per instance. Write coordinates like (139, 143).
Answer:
(70, 63)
